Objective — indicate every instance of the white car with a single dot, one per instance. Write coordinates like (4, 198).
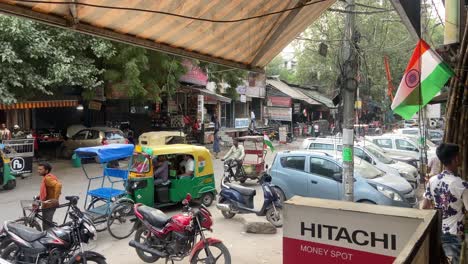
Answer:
(436, 136)
(402, 145)
(368, 152)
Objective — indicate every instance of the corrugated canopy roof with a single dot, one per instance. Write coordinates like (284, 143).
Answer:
(226, 35)
(291, 91)
(319, 97)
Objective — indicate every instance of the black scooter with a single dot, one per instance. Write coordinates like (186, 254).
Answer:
(235, 199)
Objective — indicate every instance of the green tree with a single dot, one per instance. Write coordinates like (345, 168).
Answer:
(223, 75)
(382, 34)
(38, 59)
(276, 68)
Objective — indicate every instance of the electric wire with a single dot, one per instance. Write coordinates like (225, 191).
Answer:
(173, 14)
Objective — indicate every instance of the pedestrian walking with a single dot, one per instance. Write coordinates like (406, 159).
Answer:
(448, 193)
(50, 191)
(316, 130)
(252, 119)
(216, 148)
(5, 133)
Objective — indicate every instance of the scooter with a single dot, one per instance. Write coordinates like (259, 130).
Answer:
(235, 199)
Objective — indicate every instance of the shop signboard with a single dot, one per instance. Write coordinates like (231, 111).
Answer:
(279, 113)
(94, 105)
(297, 108)
(243, 98)
(241, 122)
(329, 231)
(283, 134)
(200, 108)
(279, 101)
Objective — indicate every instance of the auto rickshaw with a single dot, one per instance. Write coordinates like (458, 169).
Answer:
(201, 185)
(7, 180)
(158, 138)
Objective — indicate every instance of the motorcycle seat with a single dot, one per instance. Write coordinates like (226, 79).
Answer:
(25, 232)
(243, 190)
(154, 216)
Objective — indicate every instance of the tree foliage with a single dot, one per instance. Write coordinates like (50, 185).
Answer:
(276, 68)
(38, 59)
(144, 74)
(382, 34)
(221, 75)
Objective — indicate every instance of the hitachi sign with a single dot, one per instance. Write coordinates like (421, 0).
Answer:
(358, 237)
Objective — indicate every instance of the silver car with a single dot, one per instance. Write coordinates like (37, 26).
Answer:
(370, 153)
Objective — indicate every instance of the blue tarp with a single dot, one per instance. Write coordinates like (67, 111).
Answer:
(106, 153)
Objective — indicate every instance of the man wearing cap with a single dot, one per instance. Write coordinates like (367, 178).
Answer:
(448, 193)
(17, 133)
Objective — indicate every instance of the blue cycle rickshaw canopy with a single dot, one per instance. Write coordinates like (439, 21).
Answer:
(106, 153)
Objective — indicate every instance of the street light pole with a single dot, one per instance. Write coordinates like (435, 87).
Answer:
(349, 86)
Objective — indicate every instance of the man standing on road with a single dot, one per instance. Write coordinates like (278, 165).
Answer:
(235, 153)
(50, 191)
(449, 194)
(5, 133)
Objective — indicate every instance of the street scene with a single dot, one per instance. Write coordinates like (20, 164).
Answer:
(245, 131)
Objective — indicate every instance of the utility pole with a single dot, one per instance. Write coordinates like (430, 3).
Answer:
(349, 86)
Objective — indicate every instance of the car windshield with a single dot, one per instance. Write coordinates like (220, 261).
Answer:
(114, 135)
(366, 170)
(140, 163)
(382, 157)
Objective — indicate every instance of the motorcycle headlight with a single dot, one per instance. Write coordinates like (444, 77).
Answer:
(91, 230)
(389, 193)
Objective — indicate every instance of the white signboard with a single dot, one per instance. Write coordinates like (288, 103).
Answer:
(327, 231)
(279, 113)
(200, 107)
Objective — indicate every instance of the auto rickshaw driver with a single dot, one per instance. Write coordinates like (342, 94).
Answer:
(188, 167)
(161, 170)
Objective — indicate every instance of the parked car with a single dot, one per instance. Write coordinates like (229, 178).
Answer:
(90, 137)
(402, 145)
(434, 135)
(319, 175)
(370, 153)
(49, 135)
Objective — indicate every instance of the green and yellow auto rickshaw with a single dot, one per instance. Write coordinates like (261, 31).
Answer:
(201, 185)
(7, 180)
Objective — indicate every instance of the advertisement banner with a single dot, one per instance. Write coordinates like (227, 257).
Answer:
(21, 165)
(241, 122)
(297, 108)
(321, 231)
(279, 113)
(279, 101)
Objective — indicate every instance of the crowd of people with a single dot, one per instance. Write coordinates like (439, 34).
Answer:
(15, 133)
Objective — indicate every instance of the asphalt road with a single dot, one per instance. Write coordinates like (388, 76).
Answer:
(244, 247)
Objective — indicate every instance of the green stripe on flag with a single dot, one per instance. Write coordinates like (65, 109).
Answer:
(269, 144)
(429, 88)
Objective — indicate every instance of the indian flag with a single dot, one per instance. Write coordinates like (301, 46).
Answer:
(426, 70)
(267, 142)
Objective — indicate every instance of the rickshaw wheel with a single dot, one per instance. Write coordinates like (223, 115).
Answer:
(100, 222)
(120, 221)
(207, 199)
(11, 184)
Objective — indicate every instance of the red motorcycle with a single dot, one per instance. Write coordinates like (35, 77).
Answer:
(174, 238)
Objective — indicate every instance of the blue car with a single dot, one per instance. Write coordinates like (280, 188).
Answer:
(319, 175)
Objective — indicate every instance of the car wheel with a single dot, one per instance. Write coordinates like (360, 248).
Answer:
(366, 202)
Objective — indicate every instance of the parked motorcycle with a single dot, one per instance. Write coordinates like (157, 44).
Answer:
(55, 246)
(235, 199)
(174, 238)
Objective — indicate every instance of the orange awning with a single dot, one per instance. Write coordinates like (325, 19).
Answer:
(244, 34)
(40, 104)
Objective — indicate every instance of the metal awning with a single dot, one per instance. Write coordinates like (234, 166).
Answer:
(244, 34)
(40, 104)
(319, 98)
(211, 94)
(291, 92)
